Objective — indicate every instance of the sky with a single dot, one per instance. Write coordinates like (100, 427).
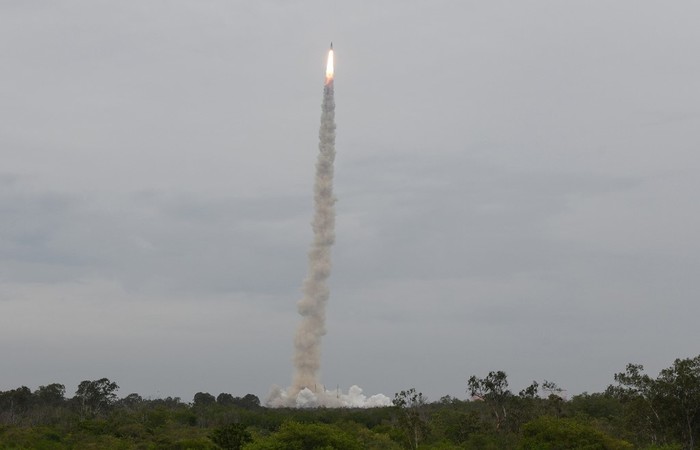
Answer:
(517, 190)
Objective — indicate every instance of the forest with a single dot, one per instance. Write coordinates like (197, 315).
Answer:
(637, 411)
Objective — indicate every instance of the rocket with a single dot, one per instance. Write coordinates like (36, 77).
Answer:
(331, 45)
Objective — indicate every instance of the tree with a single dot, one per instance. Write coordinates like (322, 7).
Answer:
(293, 435)
(551, 389)
(233, 436)
(665, 409)
(224, 399)
(555, 400)
(530, 391)
(412, 420)
(248, 401)
(456, 425)
(596, 405)
(525, 407)
(202, 399)
(551, 433)
(493, 390)
(96, 396)
(53, 394)
(679, 387)
(131, 401)
(507, 410)
(14, 403)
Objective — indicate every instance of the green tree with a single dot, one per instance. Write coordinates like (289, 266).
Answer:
(14, 404)
(232, 436)
(507, 411)
(248, 401)
(666, 409)
(224, 399)
(449, 423)
(493, 390)
(679, 389)
(53, 394)
(551, 433)
(596, 405)
(555, 401)
(203, 399)
(131, 401)
(412, 416)
(303, 436)
(94, 397)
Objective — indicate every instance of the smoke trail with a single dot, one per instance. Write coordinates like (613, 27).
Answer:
(312, 306)
(306, 390)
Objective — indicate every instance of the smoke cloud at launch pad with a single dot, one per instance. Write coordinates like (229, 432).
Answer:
(306, 398)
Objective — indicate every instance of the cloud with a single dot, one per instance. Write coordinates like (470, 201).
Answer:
(171, 242)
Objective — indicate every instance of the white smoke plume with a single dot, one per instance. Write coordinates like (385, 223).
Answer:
(306, 390)
(306, 398)
(312, 306)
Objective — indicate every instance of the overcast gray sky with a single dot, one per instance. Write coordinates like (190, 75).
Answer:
(517, 190)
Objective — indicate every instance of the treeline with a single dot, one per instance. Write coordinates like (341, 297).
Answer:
(636, 412)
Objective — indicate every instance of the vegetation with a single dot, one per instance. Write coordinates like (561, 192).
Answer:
(636, 412)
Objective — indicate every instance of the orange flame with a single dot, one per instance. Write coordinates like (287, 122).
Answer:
(329, 67)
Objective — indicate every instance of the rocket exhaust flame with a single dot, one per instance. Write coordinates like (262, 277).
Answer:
(329, 66)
